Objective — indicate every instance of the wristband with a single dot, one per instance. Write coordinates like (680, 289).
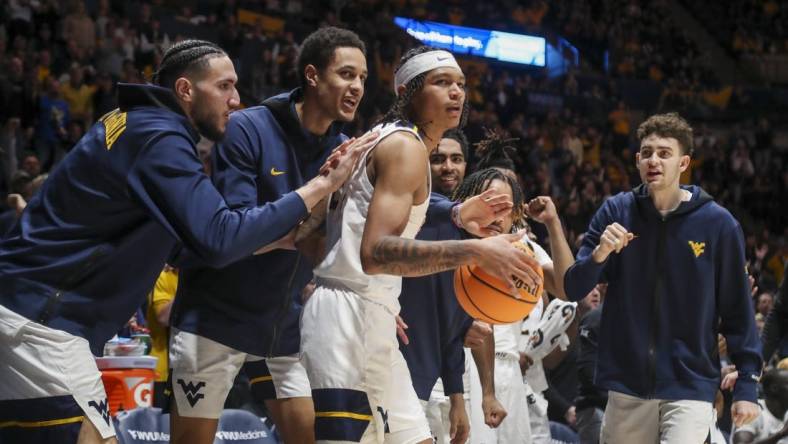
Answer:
(455, 216)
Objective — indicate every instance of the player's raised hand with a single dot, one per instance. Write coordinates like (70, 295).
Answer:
(508, 263)
(542, 209)
(345, 155)
(614, 239)
(482, 210)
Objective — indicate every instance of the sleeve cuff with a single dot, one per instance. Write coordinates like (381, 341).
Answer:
(292, 205)
(746, 388)
(452, 384)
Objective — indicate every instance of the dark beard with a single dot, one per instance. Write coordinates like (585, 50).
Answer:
(204, 122)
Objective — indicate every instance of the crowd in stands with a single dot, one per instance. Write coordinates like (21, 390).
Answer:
(746, 27)
(60, 61)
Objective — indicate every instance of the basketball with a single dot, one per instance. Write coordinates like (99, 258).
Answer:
(486, 298)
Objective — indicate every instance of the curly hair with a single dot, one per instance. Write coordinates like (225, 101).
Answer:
(668, 125)
(495, 151)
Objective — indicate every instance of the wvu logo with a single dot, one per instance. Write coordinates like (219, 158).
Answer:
(192, 391)
(102, 408)
(697, 247)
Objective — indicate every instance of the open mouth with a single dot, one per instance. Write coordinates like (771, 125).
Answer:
(653, 175)
(451, 179)
(350, 103)
(454, 109)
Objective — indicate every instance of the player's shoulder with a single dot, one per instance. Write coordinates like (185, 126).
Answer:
(252, 117)
(398, 139)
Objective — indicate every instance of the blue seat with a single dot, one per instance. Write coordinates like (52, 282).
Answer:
(237, 425)
(143, 425)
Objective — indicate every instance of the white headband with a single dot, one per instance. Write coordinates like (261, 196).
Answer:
(422, 63)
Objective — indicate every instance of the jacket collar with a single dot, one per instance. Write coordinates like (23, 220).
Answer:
(132, 95)
(308, 146)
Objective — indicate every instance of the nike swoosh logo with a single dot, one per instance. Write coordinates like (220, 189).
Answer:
(440, 59)
(274, 172)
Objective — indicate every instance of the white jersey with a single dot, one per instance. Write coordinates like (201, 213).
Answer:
(535, 375)
(345, 227)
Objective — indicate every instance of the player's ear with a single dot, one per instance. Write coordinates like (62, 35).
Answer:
(311, 73)
(184, 89)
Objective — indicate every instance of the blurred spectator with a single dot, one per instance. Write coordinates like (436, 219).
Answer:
(53, 118)
(78, 95)
(80, 28)
(775, 330)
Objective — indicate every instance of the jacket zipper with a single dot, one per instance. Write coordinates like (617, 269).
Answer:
(284, 308)
(655, 304)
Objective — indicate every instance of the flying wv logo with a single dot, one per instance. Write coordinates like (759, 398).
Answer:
(697, 247)
(102, 408)
(192, 392)
(384, 414)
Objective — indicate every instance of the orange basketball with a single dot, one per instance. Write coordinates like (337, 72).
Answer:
(486, 298)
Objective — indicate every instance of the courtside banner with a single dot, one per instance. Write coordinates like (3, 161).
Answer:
(498, 45)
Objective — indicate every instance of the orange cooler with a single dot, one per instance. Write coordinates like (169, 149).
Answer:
(128, 381)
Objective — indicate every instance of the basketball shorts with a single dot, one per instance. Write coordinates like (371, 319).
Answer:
(361, 385)
(510, 392)
(203, 372)
(48, 379)
(280, 377)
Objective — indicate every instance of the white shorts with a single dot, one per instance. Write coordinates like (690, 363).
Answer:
(43, 364)
(281, 377)
(203, 372)
(361, 385)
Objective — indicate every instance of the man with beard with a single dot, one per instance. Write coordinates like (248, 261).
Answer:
(250, 310)
(90, 244)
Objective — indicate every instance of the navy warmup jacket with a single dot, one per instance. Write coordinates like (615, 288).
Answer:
(254, 305)
(90, 244)
(670, 291)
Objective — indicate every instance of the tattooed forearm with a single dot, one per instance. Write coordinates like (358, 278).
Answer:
(315, 223)
(408, 257)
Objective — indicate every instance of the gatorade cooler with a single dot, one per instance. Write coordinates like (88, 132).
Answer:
(128, 381)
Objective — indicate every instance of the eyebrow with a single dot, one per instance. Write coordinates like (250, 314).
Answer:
(658, 147)
(350, 67)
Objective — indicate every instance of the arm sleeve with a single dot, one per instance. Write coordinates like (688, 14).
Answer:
(774, 328)
(439, 210)
(453, 362)
(736, 311)
(168, 180)
(584, 274)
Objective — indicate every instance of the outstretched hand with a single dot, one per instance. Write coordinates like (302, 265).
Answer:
(508, 263)
(480, 211)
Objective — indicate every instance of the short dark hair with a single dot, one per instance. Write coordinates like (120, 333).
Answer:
(318, 48)
(184, 57)
(459, 136)
(668, 125)
(401, 107)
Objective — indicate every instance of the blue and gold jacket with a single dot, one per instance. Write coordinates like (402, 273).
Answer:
(670, 291)
(89, 246)
(254, 305)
